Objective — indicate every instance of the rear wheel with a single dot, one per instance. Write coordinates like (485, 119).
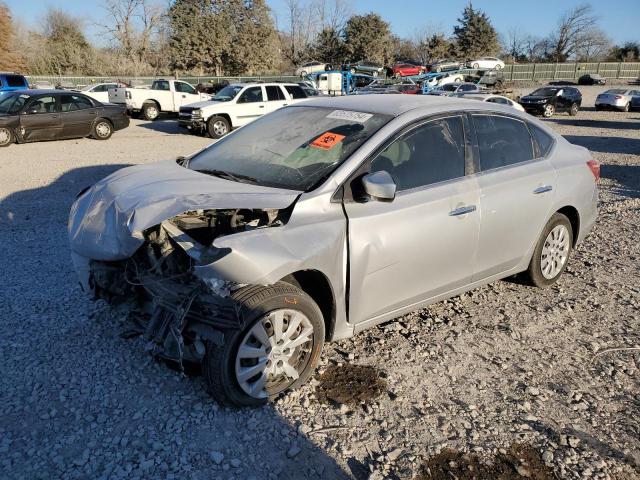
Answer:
(6, 137)
(277, 350)
(626, 108)
(573, 111)
(218, 127)
(150, 111)
(551, 254)
(549, 110)
(476, 66)
(498, 67)
(102, 129)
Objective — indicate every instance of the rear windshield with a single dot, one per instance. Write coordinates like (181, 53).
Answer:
(10, 104)
(294, 148)
(616, 91)
(15, 81)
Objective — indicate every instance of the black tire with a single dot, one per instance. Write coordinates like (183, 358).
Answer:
(575, 108)
(254, 303)
(598, 108)
(102, 129)
(548, 110)
(626, 108)
(6, 137)
(534, 272)
(218, 127)
(150, 111)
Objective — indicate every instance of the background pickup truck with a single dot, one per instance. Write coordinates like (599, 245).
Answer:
(163, 96)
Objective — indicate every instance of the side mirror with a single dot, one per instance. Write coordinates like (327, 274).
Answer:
(379, 186)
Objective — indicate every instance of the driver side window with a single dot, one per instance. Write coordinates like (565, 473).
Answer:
(430, 153)
(251, 95)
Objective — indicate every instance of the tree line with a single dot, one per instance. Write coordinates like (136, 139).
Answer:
(234, 37)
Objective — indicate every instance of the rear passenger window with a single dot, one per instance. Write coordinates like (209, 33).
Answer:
(16, 81)
(543, 139)
(430, 153)
(274, 93)
(295, 91)
(502, 141)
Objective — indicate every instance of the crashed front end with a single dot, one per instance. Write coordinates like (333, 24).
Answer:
(153, 271)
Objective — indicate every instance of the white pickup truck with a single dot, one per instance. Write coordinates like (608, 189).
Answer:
(163, 96)
(238, 104)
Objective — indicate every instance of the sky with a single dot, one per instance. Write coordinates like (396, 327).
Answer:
(618, 18)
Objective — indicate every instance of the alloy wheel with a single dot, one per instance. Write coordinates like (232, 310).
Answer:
(274, 352)
(549, 110)
(219, 128)
(555, 252)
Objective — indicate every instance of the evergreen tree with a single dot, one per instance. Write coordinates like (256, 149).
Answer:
(475, 35)
(328, 47)
(9, 59)
(368, 37)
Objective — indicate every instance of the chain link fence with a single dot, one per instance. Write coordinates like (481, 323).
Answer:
(513, 72)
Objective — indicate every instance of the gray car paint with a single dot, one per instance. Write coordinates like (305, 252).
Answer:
(387, 278)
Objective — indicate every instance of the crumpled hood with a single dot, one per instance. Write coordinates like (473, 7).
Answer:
(106, 221)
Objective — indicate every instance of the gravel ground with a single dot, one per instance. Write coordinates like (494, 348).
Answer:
(497, 370)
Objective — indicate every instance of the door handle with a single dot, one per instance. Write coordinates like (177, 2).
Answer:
(462, 210)
(285, 104)
(261, 106)
(184, 96)
(543, 189)
(54, 116)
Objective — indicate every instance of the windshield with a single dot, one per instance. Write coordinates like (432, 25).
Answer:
(227, 93)
(546, 92)
(294, 148)
(11, 104)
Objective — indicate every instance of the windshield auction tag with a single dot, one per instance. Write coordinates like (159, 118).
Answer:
(359, 117)
(327, 140)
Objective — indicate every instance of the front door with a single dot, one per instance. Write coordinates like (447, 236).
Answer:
(423, 243)
(41, 119)
(184, 94)
(516, 193)
(251, 105)
(78, 114)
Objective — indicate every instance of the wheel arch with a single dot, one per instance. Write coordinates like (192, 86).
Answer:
(574, 218)
(316, 284)
(151, 100)
(223, 115)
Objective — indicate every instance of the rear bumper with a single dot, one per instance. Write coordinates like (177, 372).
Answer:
(610, 106)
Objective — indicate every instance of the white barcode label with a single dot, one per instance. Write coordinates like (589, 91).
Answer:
(359, 117)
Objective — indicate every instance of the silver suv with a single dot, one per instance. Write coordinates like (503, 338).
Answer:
(322, 219)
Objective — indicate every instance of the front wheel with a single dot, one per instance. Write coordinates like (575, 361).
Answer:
(218, 127)
(573, 111)
(102, 130)
(552, 252)
(476, 66)
(498, 67)
(549, 110)
(6, 137)
(276, 351)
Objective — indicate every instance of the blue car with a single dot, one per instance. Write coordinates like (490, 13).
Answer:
(12, 81)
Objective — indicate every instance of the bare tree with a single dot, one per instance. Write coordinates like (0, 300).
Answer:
(594, 45)
(332, 14)
(132, 24)
(514, 43)
(572, 27)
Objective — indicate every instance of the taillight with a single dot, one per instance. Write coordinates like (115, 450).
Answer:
(594, 166)
(618, 97)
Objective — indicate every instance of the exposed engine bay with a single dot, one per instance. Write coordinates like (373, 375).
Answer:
(175, 310)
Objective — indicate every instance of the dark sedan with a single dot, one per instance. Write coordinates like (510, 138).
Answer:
(592, 79)
(35, 115)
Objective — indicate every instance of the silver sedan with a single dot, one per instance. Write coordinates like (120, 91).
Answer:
(617, 99)
(322, 219)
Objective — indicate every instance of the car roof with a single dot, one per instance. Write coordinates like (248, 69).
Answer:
(396, 105)
(35, 91)
(265, 84)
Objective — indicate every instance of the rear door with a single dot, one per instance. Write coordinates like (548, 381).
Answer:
(517, 191)
(251, 105)
(41, 119)
(422, 243)
(77, 113)
(276, 98)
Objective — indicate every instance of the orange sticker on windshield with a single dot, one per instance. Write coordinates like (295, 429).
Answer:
(327, 140)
